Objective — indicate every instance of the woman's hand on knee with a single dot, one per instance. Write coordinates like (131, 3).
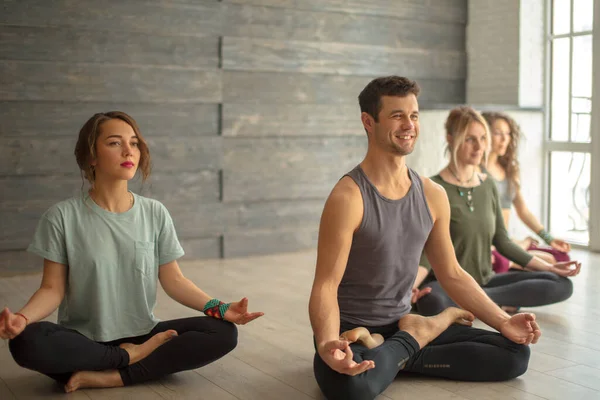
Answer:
(566, 268)
(238, 313)
(11, 325)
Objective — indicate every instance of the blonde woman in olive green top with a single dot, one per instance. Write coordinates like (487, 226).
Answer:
(473, 227)
(477, 223)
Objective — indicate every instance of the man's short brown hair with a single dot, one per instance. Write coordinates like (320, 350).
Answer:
(370, 97)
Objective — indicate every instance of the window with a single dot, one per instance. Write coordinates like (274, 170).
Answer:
(569, 145)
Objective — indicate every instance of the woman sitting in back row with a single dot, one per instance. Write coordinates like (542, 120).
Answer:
(477, 223)
(503, 167)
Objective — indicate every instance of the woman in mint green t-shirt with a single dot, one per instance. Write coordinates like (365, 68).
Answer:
(104, 253)
(477, 223)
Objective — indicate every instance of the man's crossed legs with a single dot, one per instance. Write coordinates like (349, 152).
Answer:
(436, 346)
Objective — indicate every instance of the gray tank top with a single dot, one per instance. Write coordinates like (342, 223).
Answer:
(384, 257)
(505, 194)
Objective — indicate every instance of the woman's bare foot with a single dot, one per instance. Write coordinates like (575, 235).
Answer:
(425, 329)
(363, 336)
(93, 379)
(138, 352)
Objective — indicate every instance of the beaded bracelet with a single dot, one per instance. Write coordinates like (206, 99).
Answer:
(546, 237)
(216, 308)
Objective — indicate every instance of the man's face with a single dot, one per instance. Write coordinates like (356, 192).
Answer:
(398, 126)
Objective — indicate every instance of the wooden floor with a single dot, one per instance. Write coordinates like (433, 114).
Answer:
(274, 357)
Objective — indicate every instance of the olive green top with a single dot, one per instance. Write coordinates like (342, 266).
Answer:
(474, 232)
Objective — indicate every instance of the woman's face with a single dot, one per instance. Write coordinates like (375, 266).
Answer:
(473, 148)
(500, 137)
(117, 151)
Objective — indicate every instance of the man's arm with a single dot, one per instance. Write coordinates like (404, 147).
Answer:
(459, 285)
(341, 216)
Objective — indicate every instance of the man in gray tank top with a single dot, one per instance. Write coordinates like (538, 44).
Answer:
(375, 224)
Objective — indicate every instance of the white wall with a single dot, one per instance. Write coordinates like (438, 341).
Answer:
(428, 157)
(531, 53)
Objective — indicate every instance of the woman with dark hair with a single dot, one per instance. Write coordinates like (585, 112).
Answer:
(104, 253)
(503, 167)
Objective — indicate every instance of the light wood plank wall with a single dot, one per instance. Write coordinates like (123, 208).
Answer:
(250, 106)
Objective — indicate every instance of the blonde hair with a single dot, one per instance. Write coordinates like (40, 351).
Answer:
(457, 124)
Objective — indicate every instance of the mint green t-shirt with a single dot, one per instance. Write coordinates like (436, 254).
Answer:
(113, 261)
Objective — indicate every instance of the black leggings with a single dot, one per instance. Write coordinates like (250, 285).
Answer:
(59, 352)
(459, 353)
(515, 288)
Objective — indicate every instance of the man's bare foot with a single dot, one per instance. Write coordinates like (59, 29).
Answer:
(94, 379)
(363, 336)
(425, 329)
(138, 352)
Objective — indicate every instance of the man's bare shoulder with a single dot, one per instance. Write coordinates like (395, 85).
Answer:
(432, 188)
(345, 191)
(344, 201)
(436, 196)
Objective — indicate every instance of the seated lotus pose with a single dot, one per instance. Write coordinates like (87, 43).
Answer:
(503, 166)
(104, 253)
(375, 224)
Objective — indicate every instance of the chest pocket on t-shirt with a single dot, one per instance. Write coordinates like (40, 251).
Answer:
(144, 257)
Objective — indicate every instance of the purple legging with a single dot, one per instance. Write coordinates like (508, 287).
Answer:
(501, 264)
